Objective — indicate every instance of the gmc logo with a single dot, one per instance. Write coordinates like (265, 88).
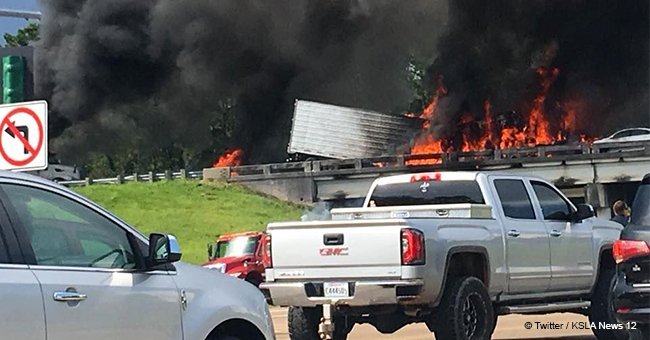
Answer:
(337, 251)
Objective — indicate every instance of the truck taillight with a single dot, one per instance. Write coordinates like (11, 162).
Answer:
(266, 252)
(412, 247)
(624, 250)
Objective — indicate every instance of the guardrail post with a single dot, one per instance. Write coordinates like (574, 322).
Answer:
(266, 170)
(399, 160)
(183, 174)
(357, 164)
(151, 177)
(307, 166)
(135, 177)
(315, 166)
(451, 157)
(168, 175)
(89, 181)
(120, 179)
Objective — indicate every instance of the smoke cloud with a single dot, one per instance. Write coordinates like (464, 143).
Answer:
(158, 74)
(154, 75)
(492, 50)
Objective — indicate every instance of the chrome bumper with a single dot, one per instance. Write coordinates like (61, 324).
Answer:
(363, 293)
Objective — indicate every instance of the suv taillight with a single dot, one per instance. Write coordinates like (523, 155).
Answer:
(625, 249)
(412, 247)
(266, 252)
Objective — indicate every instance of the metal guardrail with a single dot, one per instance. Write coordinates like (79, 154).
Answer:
(448, 160)
(472, 160)
(147, 177)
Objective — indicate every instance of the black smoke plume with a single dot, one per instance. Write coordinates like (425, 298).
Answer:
(186, 79)
(492, 50)
(156, 76)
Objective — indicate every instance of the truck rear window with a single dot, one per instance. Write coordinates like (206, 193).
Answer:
(421, 193)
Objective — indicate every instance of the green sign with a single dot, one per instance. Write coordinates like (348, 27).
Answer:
(13, 79)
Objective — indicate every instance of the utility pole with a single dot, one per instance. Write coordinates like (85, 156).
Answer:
(20, 14)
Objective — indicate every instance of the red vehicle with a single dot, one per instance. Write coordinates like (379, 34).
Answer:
(238, 255)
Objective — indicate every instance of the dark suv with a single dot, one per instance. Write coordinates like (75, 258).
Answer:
(631, 292)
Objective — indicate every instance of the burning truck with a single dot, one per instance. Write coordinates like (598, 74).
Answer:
(329, 131)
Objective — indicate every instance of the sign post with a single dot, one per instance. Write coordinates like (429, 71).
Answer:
(23, 136)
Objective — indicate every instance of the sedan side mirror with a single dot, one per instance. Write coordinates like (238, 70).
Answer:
(163, 249)
(584, 212)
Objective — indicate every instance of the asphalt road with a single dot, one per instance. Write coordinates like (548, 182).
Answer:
(508, 327)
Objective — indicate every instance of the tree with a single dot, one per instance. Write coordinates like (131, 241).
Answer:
(24, 37)
(416, 75)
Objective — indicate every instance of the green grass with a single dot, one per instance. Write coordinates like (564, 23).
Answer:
(194, 212)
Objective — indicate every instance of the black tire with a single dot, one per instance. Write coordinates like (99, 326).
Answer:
(255, 282)
(601, 307)
(303, 323)
(228, 337)
(465, 311)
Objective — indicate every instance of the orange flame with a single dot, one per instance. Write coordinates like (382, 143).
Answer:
(230, 158)
(427, 144)
(537, 129)
(488, 140)
(538, 126)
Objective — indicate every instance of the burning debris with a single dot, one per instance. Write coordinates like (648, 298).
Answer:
(230, 158)
(472, 135)
(538, 78)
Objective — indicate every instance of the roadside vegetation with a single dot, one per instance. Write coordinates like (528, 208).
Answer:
(192, 211)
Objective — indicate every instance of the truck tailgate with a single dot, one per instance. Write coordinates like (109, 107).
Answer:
(336, 249)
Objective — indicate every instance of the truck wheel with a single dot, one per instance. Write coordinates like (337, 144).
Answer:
(255, 282)
(303, 323)
(465, 311)
(602, 310)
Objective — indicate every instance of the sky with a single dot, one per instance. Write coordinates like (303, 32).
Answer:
(11, 25)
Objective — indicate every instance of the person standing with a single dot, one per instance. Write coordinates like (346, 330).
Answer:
(621, 213)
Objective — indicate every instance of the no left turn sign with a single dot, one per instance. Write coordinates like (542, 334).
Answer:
(23, 136)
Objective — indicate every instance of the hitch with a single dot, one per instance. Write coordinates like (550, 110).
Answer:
(326, 327)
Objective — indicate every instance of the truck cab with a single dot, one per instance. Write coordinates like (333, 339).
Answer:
(238, 255)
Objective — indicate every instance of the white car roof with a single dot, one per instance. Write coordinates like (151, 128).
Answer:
(447, 176)
(632, 129)
(28, 178)
(437, 175)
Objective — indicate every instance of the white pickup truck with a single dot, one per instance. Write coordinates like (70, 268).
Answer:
(451, 249)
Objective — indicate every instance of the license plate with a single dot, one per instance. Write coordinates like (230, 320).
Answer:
(336, 289)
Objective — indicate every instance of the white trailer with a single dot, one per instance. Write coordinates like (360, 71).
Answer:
(331, 131)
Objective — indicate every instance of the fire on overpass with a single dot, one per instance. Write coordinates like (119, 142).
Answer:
(583, 172)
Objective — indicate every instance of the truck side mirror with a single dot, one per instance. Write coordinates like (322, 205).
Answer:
(210, 251)
(584, 212)
(163, 249)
